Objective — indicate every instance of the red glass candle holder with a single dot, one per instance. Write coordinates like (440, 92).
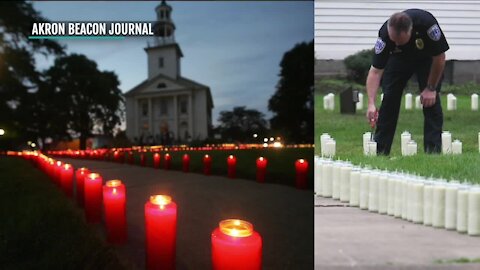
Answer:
(207, 165)
(114, 205)
(186, 163)
(236, 246)
(231, 166)
(261, 169)
(156, 160)
(167, 163)
(93, 197)
(80, 175)
(66, 180)
(301, 169)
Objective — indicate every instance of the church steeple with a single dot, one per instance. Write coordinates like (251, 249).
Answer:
(164, 28)
(164, 56)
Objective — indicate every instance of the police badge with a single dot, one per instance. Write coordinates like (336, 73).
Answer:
(419, 43)
(379, 46)
(434, 32)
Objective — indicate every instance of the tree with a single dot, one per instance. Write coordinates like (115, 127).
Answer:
(241, 123)
(19, 78)
(358, 65)
(87, 97)
(292, 103)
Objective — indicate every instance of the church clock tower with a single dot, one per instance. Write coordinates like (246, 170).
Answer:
(164, 56)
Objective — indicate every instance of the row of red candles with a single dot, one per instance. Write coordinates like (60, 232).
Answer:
(235, 244)
(301, 165)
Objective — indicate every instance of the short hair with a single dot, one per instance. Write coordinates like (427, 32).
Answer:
(400, 22)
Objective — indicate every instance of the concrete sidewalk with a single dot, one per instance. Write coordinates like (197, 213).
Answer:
(350, 238)
(282, 215)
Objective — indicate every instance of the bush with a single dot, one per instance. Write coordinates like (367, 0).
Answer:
(358, 65)
(335, 86)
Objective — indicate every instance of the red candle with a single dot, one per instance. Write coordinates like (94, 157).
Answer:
(116, 156)
(236, 246)
(186, 163)
(161, 230)
(301, 167)
(93, 197)
(80, 177)
(58, 172)
(232, 164)
(130, 157)
(167, 162)
(114, 205)
(261, 169)
(66, 179)
(142, 159)
(156, 160)
(207, 165)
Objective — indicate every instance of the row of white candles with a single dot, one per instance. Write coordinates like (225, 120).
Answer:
(407, 145)
(437, 203)
(329, 102)
(327, 145)
(455, 147)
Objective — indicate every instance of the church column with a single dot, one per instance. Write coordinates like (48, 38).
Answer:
(150, 116)
(190, 115)
(175, 117)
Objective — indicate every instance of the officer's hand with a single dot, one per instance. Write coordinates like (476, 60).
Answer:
(372, 113)
(428, 98)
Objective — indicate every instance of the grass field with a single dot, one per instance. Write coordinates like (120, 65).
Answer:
(40, 228)
(463, 123)
(280, 168)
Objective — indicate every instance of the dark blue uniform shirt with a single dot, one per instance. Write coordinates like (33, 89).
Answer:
(427, 39)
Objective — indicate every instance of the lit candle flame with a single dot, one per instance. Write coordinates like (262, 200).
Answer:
(67, 166)
(113, 183)
(93, 176)
(236, 227)
(301, 160)
(161, 200)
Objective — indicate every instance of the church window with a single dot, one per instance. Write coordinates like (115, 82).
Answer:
(144, 109)
(161, 85)
(183, 106)
(160, 62)
(163, 107)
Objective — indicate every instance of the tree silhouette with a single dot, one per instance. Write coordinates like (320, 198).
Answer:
(241, 123)
(292, 103)
(85, 96)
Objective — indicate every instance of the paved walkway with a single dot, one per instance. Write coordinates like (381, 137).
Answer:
(282, 215)
(350, 238)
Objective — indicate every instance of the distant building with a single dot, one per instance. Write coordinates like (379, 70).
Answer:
(345, 27)
(166, 107)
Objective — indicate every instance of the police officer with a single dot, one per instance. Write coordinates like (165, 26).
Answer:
(410, 42)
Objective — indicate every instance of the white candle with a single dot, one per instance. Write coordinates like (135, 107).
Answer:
(398, 197)
(392, 182)
(417, 207)
(427, 204)
(318, 176)
(405, 203)
(405, 137)
(456, 147)
(373, 192)
(410, 199)
(451, 206)
(327, 179)
(383, 193)
(355, 187)
(325, 102)
(418, 103)
(474, 211)
(330, 144)
(411, 148)
(364, 181)
(345, 183)
(359, 104)
(381, 97)
(372, 148)
(323, 143)
(336, 180)
(366, 140)
(408, 101)
(451, 102)
(438, 206)
(331, 102)
(446, 142)
(474, 102)
(462, 210)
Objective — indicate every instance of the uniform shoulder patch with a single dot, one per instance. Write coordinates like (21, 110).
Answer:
(434, 32)
(379, 46)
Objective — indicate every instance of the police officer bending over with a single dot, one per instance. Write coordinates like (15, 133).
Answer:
(410, 42)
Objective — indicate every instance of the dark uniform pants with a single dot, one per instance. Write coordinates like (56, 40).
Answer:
(398, 71)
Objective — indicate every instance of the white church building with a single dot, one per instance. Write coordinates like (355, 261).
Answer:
(166, 107)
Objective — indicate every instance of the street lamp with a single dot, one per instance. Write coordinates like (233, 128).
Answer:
(2, 132)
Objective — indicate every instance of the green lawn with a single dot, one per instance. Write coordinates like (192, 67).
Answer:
(40, 228)
(464, 125)
(280, 168)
